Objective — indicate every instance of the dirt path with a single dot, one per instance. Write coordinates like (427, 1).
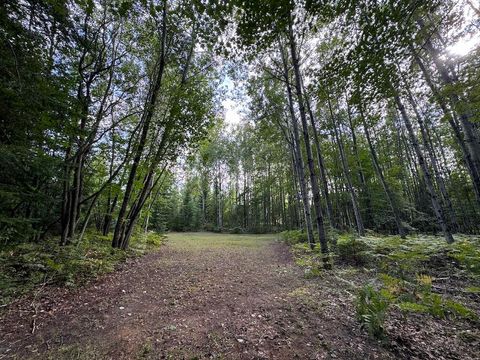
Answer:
(201, 296)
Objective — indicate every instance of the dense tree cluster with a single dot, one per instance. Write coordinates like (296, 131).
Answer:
(359, 116)
(97, 100)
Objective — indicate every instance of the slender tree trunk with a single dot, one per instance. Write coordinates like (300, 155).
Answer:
(321, 165)
(465, 141)
(109, 216)
(361, 175)
(346, 172)
(64, 218)
(426, 173)
(438, 177)
(118, 236)
(297, 154)
(322, 237)
(386, 188)
(219, 199)
(75, 196)
(245, 223)
(404, 169)
(298, 196)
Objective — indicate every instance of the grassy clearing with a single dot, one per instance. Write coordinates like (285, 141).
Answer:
(199, 241)
(28, 266)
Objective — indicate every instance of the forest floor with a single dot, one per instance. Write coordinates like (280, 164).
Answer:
(217, 296)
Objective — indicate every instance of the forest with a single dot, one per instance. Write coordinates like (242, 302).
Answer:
(309, 162)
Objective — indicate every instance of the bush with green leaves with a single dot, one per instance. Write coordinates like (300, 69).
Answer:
(351, 250)
(154, 239)
(236, 230)
(292, 237)
(208, 227)
(372, 307)
(421, 254)
(436, 306)
(467, 255)
(311, 260)
(418, 297)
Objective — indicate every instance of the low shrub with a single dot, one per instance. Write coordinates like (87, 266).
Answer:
(352, 250)
(237, 230)
(311, 260)
(418, 297)
(408, 306)
(292, 237)
(436, 306)
(371, 309)
(467, 254)
(155, 239)
(460, 310)
(208, 227)
(260, 229)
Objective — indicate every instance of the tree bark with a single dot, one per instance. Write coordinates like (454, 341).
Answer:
(346, 172)
(361, 175)
(386, 188)
(473, 169)
(438, 177)
(306, 138)
(321, 165)
(146, 120)
(426, 173)
(297, 154)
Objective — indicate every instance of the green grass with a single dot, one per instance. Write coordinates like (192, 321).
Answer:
(199, 241)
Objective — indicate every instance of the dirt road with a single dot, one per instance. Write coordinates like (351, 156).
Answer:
(201, 296)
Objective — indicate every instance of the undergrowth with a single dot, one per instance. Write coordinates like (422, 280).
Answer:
(408, 297)
(292, 237)
(372, 307)
(308, 259)
(408, 271)
(24, 267)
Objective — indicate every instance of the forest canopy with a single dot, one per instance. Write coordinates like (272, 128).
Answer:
(355, 116)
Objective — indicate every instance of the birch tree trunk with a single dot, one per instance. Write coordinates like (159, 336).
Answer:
(321, 165)
(297, 154)
(472, 168)
(386, 188)
(346, 172)
(439, 214)
(306, 138)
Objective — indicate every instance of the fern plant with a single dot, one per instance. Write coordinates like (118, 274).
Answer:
(372, 306)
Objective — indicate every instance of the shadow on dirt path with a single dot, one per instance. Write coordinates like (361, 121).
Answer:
(201, 296)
